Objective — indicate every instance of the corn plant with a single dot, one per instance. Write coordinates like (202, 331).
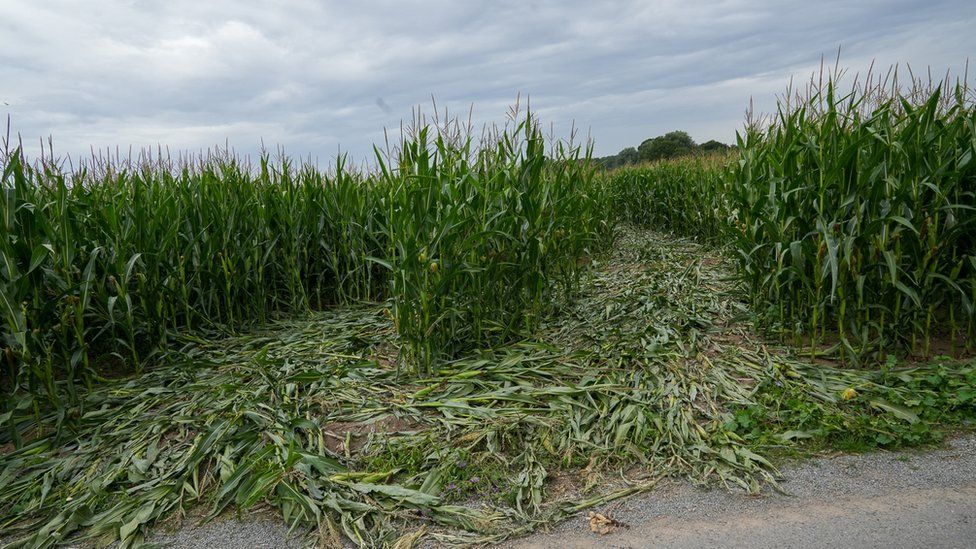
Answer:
(855, 216)
(102, 265)
(105, 264)
(484, 238)
(851, 214)
(685, 195)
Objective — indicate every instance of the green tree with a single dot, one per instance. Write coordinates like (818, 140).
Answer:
(627, 156)
(713, 146)
(606, 162)
(669, 145)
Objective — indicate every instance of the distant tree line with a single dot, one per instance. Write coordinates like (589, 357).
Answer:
(670, 145)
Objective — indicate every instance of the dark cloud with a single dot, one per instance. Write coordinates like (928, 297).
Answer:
(319, 76)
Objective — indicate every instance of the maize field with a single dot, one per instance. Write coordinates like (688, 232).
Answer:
(852, 216)
(419, 351)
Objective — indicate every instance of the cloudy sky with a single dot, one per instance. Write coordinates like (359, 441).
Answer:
(317, 77)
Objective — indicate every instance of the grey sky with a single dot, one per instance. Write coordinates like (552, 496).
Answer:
(316, 77)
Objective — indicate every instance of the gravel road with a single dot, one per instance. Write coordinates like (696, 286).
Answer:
(886, 499)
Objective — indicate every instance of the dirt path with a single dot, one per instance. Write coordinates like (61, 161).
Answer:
(887, 500)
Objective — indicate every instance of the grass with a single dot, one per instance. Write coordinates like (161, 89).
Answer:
(653, 365)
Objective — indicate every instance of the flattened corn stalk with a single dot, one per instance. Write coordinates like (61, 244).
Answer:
(638, 371)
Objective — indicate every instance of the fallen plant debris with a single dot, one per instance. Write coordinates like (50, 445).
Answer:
(651, 372)
(602, 524)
